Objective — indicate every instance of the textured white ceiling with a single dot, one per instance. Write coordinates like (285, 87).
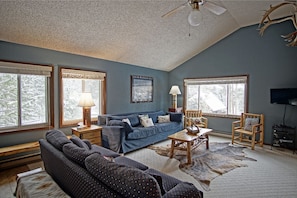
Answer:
(127, 31)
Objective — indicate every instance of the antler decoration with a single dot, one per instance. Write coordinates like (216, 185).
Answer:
(267, 21)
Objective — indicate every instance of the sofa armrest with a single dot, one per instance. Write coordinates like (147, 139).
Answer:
(114, 135)
(185, 190)
(175, 117)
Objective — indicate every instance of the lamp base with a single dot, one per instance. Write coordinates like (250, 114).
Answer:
(87, 116)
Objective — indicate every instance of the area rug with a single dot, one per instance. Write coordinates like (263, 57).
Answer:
(221, 158)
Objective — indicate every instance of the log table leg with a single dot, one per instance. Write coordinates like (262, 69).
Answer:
(189, 152)
(172, 148)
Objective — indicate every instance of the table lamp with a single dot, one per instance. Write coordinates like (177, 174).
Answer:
(174, 91)
(86, 102)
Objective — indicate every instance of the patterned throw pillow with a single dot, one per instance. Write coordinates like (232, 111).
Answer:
(146, 122)
(165, 118)
(128, 181)
(249, 122)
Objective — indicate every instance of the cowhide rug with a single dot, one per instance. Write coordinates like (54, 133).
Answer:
(221, 158)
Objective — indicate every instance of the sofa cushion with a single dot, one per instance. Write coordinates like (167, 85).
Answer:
(57, 138)
(134, 120)
(142, 132)
(168, 182)
(127, 127)
(129, 162)
(128, 181)
(76, 153)
(77, 141)
(154, 115)
(185, 190)
(104, 151)
(176, 117)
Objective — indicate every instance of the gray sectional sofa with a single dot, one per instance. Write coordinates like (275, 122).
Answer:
(90, 171)
(122, 137)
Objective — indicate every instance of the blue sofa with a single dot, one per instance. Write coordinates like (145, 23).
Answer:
(121, 137)
(90, 171)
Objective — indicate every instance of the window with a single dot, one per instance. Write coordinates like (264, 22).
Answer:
(225, 96)
(73, 83)
(24, 96)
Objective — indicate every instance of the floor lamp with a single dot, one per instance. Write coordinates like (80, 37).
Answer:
(86, 102)
(174, 91)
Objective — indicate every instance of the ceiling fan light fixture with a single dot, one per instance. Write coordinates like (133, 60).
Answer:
(195, 17)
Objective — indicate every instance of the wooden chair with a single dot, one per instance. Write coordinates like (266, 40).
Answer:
(192, 114)
(246, 129)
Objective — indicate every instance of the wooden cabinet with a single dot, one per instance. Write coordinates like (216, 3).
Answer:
(92, 133)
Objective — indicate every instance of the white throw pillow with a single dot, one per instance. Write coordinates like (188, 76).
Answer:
(165, 118)
(146, 122)
(126, 120)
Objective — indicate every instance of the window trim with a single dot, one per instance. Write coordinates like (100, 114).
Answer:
(204, 80)
(87, 76)
(23, 68)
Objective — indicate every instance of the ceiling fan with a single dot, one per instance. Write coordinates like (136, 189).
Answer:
(195, 15)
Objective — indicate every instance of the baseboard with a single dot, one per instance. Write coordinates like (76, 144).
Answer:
(27, 159)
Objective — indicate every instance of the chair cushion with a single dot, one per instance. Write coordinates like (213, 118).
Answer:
(249, 122)
(57, 138)
(128, 181)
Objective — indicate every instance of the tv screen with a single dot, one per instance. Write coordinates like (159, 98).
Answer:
(283, 96)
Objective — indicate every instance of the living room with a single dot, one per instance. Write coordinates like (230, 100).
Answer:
(267, 61)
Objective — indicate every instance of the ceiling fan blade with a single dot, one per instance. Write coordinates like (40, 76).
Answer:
(175, 10)
(218, 10)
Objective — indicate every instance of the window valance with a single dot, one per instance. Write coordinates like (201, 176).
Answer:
(82, 74)
(22, 68)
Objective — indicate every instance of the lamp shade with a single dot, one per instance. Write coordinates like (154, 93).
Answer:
(86, 100)
(174, 90)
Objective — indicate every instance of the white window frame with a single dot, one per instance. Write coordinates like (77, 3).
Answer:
(243, 79)
(82, 75)
(20, 69)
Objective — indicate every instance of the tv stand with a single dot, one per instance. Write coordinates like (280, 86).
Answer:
(283, 136)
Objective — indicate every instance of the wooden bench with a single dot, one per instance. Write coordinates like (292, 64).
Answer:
(19, 148)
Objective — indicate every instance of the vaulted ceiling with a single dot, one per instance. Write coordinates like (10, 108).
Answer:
(126, 31)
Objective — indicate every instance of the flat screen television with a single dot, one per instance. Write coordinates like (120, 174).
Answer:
(283, 96)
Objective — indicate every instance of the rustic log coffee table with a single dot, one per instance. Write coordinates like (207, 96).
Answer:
(192, 141)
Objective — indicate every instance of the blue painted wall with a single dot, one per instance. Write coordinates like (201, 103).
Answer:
(268, 62)
(118, 83)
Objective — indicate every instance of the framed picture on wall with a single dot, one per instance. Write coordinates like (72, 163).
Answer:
(141, 89)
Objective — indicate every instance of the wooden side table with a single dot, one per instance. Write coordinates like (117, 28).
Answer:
(92, 133)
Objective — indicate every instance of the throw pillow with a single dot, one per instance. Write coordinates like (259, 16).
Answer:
(76, 140)
(154, 115)
(126, 120)
(128, 181)
(249, 122)
(146, 122)
(196, 120)
(57, 139)
(165, 118)
(77, 154)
